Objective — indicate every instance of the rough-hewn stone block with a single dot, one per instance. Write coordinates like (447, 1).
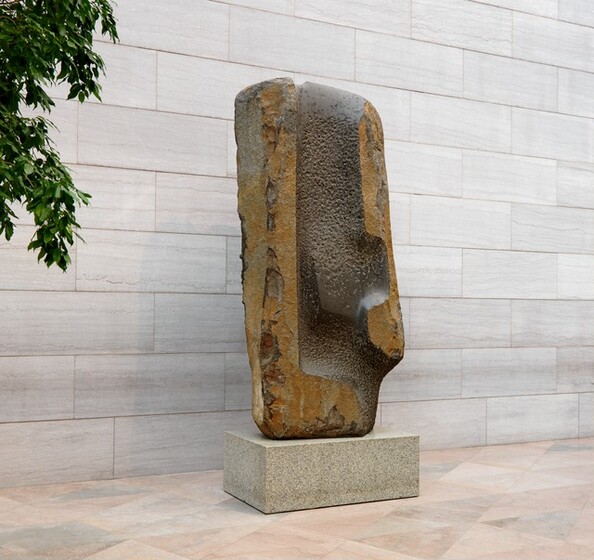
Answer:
(322, 315)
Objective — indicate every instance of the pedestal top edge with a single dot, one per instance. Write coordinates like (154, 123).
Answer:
(253, 436)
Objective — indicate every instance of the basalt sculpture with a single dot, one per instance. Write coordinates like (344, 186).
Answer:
(322, 315)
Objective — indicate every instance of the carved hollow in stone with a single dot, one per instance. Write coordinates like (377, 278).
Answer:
(322, 314)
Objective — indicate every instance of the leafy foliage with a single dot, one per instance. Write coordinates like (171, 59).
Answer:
(43, 43)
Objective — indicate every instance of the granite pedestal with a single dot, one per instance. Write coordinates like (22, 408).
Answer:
(288, 475)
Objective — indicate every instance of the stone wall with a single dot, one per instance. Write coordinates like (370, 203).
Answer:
(133, 362)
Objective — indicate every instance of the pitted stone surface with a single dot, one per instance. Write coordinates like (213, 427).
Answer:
(323, 320)
(275, 476)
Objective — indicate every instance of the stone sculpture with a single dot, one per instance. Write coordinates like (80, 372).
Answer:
(322, 314)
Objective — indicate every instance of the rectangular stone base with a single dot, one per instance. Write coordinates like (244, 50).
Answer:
(288, 475)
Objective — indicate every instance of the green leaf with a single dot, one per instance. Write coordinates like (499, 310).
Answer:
(42, 43)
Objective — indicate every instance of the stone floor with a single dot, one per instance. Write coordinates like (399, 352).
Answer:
(512, 502)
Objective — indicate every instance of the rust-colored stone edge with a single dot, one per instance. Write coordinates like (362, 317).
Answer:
(384, 322)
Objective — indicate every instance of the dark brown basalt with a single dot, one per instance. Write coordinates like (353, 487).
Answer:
(322, 316)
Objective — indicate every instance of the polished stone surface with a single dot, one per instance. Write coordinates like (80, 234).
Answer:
(532, 501)
(322, 314)
(288, 475)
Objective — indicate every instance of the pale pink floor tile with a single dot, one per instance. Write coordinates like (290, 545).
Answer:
(64, 502)
(203, 487)
(164, 514)
(199, 544)
(431, 472)
(136, 517)
(449, 455)
(425, 486)
(341, 521)
(101, 490)
(69, 504)
(583, 530)
(359, 551)
(558, 552)
(590, 502)
(32, 494)
(517, 456)
(441, 491)
(53, 510)
(414, 537)
(276, 544)
(363, 508)
(7, 504)
(63, 541)
(539, 501)
(553, 524)
(26, 516)
(481, 540)
(286, 554)
(541, 480)
(419, 500)
(131, 550)
(561, 460)
(483, 476)
(580, 473)
(453, 512)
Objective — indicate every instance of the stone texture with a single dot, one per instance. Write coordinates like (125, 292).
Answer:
(322, 315)
(276, 476)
